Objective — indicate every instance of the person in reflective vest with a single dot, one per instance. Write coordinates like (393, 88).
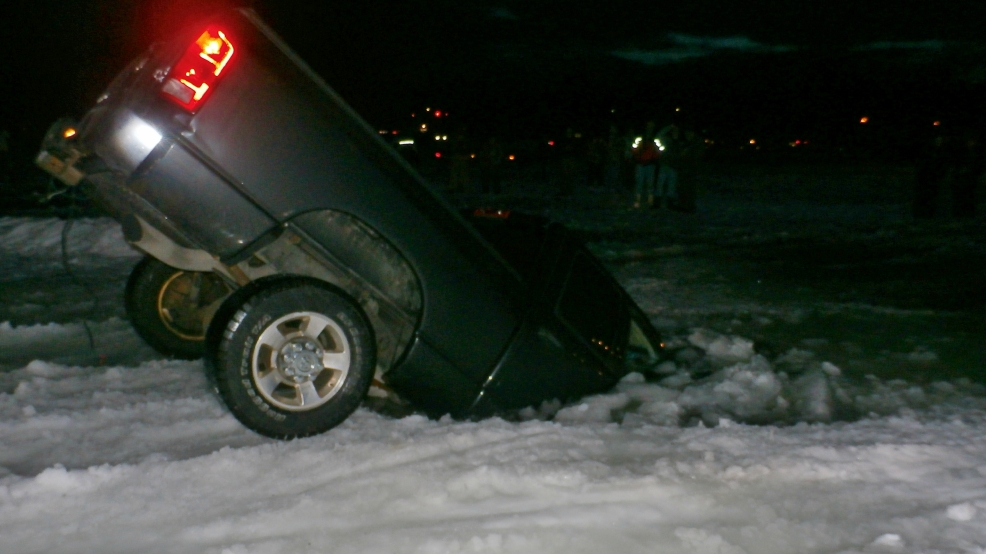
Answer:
(645, 154)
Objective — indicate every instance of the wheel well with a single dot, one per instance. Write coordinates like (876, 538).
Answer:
(236, 300)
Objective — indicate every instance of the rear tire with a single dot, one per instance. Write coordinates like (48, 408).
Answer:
(293, 358)
(171, 308)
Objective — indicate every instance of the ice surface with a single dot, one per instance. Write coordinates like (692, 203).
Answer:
(766, 433)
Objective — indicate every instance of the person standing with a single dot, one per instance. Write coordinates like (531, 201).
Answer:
(690, 153)
(645, 156)
(669, 140)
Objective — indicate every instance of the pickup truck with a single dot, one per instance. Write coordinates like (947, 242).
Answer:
(306, 260)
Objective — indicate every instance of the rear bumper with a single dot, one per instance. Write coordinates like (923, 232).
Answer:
(60, 155)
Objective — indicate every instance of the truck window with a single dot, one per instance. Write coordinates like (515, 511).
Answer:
(592, 305)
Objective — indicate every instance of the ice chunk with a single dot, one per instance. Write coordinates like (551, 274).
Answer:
(811, 396)
(700, 540)
(744, 391)
(726, 349)
(922, 356)
(666, 368)
(889, 540)
(961, 512)
(831, 369)
(598, 408)
(632, 378)
(796, 358)
(677, 381)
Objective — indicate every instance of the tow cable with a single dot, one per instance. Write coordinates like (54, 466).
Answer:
(73, 212)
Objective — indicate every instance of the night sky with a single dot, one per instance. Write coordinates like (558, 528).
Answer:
(776, 69)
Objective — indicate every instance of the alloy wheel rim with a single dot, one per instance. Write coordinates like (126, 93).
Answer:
(300, 361)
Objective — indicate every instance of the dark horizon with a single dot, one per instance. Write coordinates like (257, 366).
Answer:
(770, 71)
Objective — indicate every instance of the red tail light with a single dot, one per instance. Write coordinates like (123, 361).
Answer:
(191, 79)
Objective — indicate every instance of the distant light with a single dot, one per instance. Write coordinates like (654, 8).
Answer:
(405, 142)
(511, 157)
(438, 154)
(472, 155)
(424, 128)
(438, 113)
(936, 123)
(395, 132)
(864, 120)
(753, 141)
(69, 133)
(444, 137)
(438, 137)
(612, 110)
(677, 109)
(551, 143)
(382, 131)
(427, 109)
(413, 114)
(577, 135)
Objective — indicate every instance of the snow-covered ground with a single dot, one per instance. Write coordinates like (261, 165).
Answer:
(817, 402)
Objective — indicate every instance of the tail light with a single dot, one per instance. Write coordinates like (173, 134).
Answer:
(196, 72)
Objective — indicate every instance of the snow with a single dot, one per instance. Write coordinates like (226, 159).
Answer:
(787, 420)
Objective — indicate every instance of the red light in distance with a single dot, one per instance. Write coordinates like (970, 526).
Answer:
(490, 212)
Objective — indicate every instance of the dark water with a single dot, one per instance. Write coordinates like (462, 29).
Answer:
(920, 289)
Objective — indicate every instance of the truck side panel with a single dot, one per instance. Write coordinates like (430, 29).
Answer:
(292, 145)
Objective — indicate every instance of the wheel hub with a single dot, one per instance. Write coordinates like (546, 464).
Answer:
(301, 360)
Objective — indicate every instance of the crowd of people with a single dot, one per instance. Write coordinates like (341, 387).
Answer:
(656, 168)
(664, 167)
(650, 168)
